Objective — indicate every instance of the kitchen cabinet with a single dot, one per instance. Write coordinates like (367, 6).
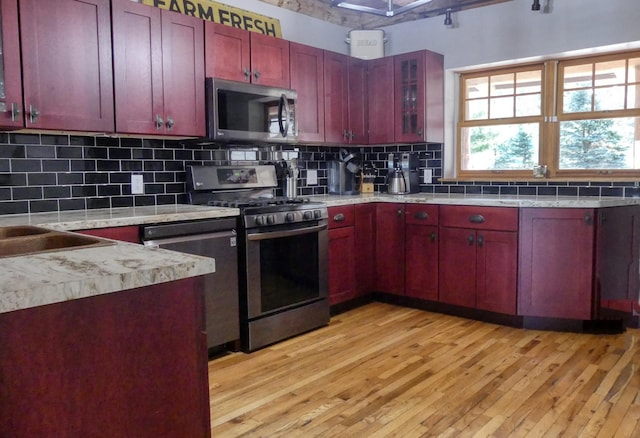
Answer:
(159, 71)
(307, 78)
(238, 55)
(419, 97)
(381, 100)
(10, 69)
(556, 262)
(365, 232)
(66, 64)
(421, 251)
(390, 248)
(478, 257)
(618, 258)
(346, 112)
(129, 363)
(129, 233)
(342, 252)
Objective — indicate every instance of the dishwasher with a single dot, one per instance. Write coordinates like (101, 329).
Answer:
(215, 238)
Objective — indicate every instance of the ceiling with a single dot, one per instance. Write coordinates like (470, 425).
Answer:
(381, 13)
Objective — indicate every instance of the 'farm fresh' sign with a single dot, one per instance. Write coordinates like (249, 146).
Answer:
(221, 13)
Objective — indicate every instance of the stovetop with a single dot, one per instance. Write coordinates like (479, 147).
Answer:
(244, 203)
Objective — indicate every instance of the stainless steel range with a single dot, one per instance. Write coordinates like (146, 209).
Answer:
(283, 245)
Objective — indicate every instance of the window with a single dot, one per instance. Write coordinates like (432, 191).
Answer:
(585, 126)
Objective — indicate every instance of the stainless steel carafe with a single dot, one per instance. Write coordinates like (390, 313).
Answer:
(396, 183)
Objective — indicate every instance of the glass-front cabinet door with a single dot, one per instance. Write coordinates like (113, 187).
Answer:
(10, 72)
(410, 96)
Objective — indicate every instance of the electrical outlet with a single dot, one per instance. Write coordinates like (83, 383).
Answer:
(312, 177)
(428, 176)
(137, 185)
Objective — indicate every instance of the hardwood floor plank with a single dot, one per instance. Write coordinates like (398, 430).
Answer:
(387, 371)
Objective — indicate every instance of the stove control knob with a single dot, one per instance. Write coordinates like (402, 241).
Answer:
(317, 214)
(259, 220)
(271, 219)
(289, 217)
(307, 215)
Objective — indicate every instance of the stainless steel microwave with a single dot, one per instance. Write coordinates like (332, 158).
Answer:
(238, 111)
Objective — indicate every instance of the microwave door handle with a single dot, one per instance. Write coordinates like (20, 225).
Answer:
(284, 129)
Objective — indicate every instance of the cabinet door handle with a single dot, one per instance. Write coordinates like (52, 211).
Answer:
(15, 112)
(338, 217)
(399, 212)
(159, 122)
(433, 236)
(480, 240)
(588, 219)
(170, 123)
(352, 135)
(420, 132)
(247, 74)
(256, 75)
(33, 114)
(470, 239)
(476, 219)
(421, 215)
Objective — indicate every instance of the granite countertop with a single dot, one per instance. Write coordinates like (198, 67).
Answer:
(58, 276)
(480, 200)
(117, 217)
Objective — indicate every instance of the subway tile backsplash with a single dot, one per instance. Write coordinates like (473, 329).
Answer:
(46, 172)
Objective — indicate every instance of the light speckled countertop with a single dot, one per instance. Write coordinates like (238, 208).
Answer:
(480, 200)
(53, 277)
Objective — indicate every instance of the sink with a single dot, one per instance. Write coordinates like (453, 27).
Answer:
(23, 240)
(21, 230)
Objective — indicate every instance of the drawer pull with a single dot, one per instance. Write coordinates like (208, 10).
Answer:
(476, 219)
(338, 217)
(421, 215)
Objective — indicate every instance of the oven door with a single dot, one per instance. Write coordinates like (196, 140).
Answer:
(286, 267)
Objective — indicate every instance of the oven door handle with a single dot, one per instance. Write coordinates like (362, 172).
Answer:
(285, 233)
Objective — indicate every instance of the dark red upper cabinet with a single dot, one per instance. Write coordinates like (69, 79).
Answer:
(357, 103)
(380, 94)
(159, 71)
(419, 97)
(307, 78)
(238, 55)
(67, 64)
(11, 85)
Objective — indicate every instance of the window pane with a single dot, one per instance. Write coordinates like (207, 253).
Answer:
(600, 144)
(502, 85)
(633, 96)
(576, 101)
(477, 109)
(501, 107)
(528, 105)
(513, 147)
(610, 73)
(477, 87)
(634, 70)
(529, 82)
(609, 98)
(578, 76)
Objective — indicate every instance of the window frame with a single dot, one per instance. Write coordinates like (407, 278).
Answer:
(551, 116)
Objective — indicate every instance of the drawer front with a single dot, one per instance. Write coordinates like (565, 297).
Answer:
(342, 216)
(421, 214)
(482, 218)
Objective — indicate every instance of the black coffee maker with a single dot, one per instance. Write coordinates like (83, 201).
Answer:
(343, 174)
(408, 163)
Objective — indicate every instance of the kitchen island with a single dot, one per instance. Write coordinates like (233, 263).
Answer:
(108, 340)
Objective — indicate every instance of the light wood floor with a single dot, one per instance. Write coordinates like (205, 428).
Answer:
(383, 371)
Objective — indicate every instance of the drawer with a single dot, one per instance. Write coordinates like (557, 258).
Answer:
(421, 214)
(342, 216)
(482, 218)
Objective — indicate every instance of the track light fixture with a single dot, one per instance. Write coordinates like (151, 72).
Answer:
(536, 5)
(447, 18)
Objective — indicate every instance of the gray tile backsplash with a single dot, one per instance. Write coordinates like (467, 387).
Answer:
(45, 172)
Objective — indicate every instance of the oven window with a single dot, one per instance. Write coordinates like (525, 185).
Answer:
(289, 271)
